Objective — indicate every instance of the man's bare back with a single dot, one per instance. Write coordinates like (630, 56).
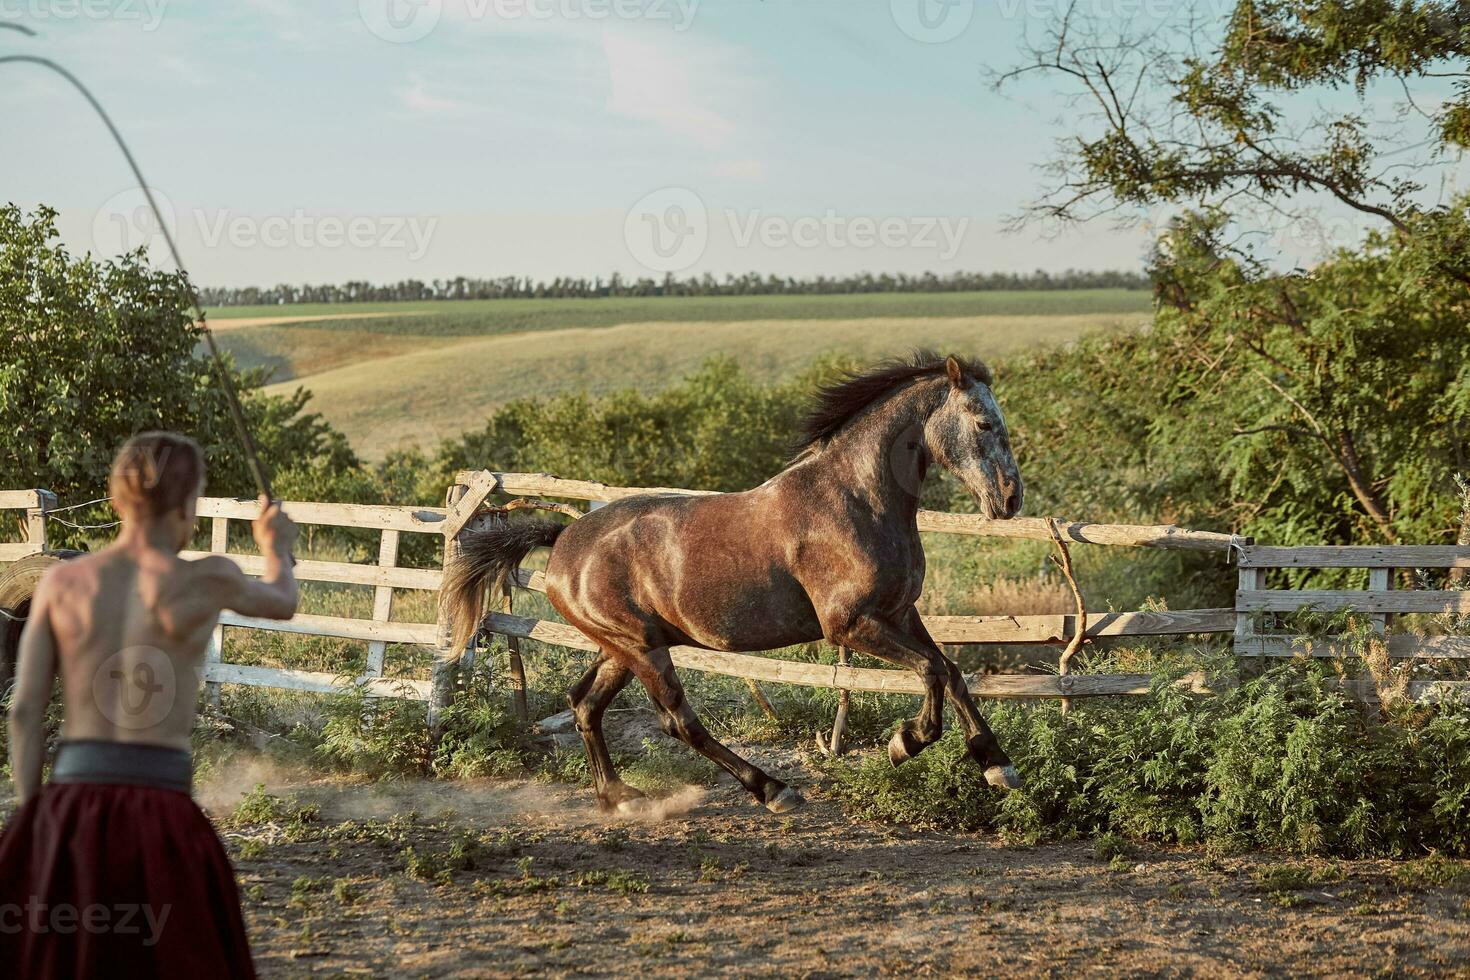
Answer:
(131, 624)
(126, 629)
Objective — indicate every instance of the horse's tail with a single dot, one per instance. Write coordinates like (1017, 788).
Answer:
(487, 557)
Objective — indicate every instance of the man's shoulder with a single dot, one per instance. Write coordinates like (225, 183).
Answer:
(212, 567)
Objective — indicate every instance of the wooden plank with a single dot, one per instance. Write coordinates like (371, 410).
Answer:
(850, 678)
(1035, 629)
(1059, 628)
(20, 499)
(479, 485)
(421, 520)
(1078, 532)
(15, 552)
(219, 543)
(1419, 691)
(1402, 646)
(1367, 601)
(1035, 528)
(314, 681)
(446, 673)
(36, 519)
(1355, 556)
(528, 579)
(341, 572)
(347, 629)
(1250, 580)
(1380, 580)
(382, 602)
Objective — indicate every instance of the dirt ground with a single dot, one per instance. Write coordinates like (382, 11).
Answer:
(526, 879)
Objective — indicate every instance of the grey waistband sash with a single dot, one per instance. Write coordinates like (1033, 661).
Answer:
(123, 763)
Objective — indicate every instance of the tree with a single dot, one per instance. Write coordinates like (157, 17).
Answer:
(1312, 404)
(92, 352)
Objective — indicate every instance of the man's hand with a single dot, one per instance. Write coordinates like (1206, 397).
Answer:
(275, 533)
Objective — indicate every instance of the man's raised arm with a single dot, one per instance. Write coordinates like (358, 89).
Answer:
(274, 595)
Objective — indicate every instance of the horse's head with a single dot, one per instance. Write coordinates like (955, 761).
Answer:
(967, 435)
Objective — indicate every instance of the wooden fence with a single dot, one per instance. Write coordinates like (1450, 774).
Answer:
(464, 510)
(1056, 629)
(35, 504)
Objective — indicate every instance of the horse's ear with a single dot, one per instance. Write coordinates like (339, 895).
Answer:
(955, 370)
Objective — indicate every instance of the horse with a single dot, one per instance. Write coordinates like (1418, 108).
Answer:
(828, 548)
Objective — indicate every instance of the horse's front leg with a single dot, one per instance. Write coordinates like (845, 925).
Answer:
(981, 742)
(874, 636)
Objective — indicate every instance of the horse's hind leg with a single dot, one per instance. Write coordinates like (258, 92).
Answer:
(656, 671)
(589, 699)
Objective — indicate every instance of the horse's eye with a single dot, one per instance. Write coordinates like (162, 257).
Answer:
(983, 424)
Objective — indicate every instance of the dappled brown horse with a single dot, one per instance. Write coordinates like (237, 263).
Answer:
(827, 548)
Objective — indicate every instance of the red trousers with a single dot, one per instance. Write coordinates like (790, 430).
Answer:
(117, 881)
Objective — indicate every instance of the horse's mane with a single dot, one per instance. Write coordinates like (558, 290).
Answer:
(837, 403)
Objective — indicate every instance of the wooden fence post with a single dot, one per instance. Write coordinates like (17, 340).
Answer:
(35, 520)
(1251, 580)
(219, 544)
(1380, 579)
(839, 723)
(445, 670)
(517, 666)
(382, 602)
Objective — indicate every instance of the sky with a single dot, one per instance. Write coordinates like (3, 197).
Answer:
(327, 140)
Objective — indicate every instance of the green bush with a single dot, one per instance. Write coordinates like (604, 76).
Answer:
(1285, 761)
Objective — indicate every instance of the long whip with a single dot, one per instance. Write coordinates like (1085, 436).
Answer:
(227, 382)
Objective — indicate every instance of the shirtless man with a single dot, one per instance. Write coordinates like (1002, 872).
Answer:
(111, 869)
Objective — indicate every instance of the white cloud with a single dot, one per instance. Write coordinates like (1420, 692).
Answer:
(418, 97)
(660, 79)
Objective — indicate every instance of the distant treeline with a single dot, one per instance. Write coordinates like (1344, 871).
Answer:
(750, 284)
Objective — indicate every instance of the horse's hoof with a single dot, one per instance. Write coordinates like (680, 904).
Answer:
(621, 799)
(634, 807)
(898, 749)
(786, 801)
(1003, 777)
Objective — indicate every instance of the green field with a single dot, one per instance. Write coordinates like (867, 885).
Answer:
(397, 374)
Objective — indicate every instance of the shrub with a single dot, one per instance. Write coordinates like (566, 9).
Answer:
(1285, 761)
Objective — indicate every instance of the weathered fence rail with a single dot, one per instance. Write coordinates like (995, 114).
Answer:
(384, 576)
(1255, 601)
(35, 504)
(968, 630)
